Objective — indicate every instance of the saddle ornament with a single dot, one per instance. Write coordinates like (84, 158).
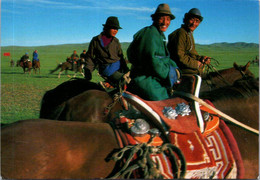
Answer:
(140, 127)
(181, 109)
(169, 112)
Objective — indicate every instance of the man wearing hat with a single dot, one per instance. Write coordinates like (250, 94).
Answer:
(181, 45)
(153, 72)
(24, 58)
(105, 54)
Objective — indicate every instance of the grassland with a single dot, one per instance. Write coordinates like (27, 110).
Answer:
(21, 94)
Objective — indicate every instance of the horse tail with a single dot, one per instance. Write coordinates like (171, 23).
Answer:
(58, 67)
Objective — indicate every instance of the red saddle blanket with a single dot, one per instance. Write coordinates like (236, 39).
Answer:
(214, 154)
(209, 156)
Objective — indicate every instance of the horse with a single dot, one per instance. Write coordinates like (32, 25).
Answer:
(17, 63)
(26, 65)
(224, 77)
(12, 63)
(36, 65)
(255, 61)
(242, 88)
(54, 100)
(50, 149)
(76, 67)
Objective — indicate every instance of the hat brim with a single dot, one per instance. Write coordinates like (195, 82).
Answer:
(163, 14)
(194, 15)
(112, 27)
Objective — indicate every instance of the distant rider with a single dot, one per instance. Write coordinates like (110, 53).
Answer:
(35, 56)
(74, 57)
(24, 58)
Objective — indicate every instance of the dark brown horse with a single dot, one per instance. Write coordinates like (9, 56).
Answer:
(26, 65)
(76, 66)
(36, 65)
(242, 88)
(12, 63)
(53, 101)
(225, 77)
(44, 149)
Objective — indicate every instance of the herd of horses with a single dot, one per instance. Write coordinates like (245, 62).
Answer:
(74, 140)
(64, 66)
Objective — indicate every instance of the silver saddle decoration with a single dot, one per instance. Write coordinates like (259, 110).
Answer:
(183, 109)
(169, 112)
(140, 127)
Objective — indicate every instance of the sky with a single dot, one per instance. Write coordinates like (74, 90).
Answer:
(52, 22)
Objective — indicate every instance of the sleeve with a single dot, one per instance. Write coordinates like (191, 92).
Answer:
(184, 57)
(90, 56)
(123, 65)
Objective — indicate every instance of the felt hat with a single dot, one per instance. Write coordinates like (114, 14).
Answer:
(112, 22)
(194, 12)
(163, 9)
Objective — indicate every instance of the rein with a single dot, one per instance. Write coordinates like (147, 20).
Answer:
(213, 69)
(217, 111)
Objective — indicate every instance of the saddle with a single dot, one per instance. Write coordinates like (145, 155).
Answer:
(206, 144)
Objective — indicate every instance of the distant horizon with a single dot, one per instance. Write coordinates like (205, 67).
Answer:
(123, 42)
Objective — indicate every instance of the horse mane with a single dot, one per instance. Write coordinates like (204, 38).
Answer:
(242, 88)
(53, 99)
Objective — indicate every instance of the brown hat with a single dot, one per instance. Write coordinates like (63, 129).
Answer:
(163, 9)
(112, 22)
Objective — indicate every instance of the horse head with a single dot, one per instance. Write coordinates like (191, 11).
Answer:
(244, 70)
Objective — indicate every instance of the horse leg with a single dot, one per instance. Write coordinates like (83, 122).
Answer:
(59, 73)
(82, 74)
(66, 72)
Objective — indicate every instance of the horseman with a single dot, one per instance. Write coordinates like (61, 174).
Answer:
(153, 72)
(83, 55)
(181, 46)
(35, 56)
(73, 59)
(24, 58)
(105, 53)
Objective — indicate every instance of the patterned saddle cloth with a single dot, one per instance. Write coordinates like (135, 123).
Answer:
(210, 152)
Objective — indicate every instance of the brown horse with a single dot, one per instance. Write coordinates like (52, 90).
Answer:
(53, 101)
(44, 149)
(36, 65)
(77, 66)
(26, 65)
(242, 88)
(12, 63)
(224, 77)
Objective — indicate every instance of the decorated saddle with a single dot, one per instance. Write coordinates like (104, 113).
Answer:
(174, 138)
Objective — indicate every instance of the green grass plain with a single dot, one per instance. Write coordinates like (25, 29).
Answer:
(21, 94)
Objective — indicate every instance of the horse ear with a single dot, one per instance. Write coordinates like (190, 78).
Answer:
(247, 65)
(235, 65)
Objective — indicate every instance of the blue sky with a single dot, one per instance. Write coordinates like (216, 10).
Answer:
(51, 22)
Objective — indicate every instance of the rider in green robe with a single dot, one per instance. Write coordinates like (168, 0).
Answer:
(153, 72)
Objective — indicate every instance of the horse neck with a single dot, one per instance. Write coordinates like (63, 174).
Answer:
(230, 75)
